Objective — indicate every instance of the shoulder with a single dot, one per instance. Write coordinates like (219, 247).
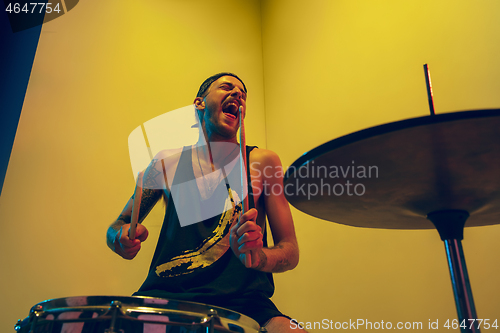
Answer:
(162, 166)
(164, 159)
(168, 155)
(264, 157)
(266, 163)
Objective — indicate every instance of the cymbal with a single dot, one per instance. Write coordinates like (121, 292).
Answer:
(391, 176)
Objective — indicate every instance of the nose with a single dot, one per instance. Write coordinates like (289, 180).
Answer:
(236, 92)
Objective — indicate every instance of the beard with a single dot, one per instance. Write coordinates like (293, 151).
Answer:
(216, 127)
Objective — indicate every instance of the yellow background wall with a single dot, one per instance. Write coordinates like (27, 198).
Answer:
(335, 67)
(100, 71)
(315, 70)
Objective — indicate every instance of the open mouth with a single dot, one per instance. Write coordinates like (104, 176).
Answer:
(231, 110)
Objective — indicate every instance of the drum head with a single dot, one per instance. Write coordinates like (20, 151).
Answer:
(109, 314)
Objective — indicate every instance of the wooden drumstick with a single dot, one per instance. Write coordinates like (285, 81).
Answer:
(428, 83)
(243, 150)
(244, 201)
(136, 207)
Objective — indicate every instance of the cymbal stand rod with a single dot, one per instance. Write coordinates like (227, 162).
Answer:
(461, 285)
(430, 96)
(450, 225)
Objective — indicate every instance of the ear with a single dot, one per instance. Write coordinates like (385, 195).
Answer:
(199, 103)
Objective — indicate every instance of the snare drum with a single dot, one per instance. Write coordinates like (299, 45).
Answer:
(118, 314)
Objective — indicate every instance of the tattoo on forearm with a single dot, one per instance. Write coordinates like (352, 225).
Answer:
(124, 218)
(149, 199)
(282, 264)
(262, 260)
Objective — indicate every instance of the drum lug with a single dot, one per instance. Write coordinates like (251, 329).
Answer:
(36, 312)
(263, 330)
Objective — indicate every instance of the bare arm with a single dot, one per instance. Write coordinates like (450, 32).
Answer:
(285, 254)
(117, 234)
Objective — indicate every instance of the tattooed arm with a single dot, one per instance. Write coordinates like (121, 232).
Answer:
(117, 235)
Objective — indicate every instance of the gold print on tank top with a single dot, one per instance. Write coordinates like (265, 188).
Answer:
(212, 248)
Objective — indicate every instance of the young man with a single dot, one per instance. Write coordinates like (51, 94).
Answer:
(222, 260)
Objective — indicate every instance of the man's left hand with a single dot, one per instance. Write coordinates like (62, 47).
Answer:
(246, 239)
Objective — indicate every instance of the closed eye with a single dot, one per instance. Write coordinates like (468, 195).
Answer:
(229, 86)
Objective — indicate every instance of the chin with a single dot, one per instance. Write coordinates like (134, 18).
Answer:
(228, 134)
(224, 130)
(227, 131)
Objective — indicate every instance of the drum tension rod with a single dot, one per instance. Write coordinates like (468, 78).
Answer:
(115, 308)
(212, 314)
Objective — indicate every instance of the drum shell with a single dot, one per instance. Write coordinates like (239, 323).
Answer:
(109, 314)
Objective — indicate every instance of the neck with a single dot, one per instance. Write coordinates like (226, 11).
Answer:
(215, 150)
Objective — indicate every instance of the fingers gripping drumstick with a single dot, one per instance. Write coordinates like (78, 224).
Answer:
(136, 206)
(244, 202)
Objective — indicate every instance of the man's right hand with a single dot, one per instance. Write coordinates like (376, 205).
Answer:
(126, 247)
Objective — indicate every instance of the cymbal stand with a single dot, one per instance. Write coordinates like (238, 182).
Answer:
(450, 225)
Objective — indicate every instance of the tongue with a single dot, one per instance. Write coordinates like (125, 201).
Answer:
(231, 109)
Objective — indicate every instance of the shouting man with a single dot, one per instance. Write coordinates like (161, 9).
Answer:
(206, 251)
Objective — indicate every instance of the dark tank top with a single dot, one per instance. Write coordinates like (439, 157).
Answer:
(195, 262)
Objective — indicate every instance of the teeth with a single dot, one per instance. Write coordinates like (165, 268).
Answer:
(230, 108)
(232, 103)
